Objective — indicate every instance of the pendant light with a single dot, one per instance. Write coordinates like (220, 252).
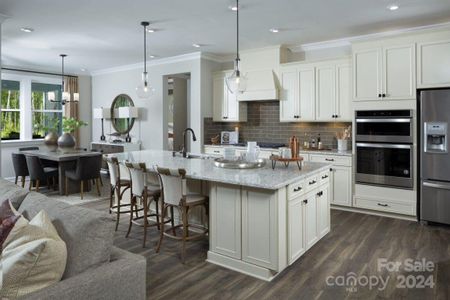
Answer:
(236, 82)
(144, 90)
(65, 95)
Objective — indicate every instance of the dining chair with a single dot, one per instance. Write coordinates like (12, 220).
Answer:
(119, 185)
(40, 174)
(174, 195)
(20, 167)
(46, 163)
(87, 168)
(142, 189)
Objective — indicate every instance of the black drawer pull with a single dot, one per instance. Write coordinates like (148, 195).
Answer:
(297, 189)
(320, 194)
(305, 201)
(384, 205)
(216, 151)
(312, 182)
(325, 176)
(329, 159)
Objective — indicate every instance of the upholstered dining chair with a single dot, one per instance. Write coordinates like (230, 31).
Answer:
(142, 189)
(119, 185)
(45, 163)
(174, 195)
(20, 167)
(40, 174)
(87, 168)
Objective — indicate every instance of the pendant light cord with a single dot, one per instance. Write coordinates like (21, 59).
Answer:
(237, 30)
(145, 49)
(62, 73)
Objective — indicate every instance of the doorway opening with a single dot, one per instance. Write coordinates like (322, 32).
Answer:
(178, 99)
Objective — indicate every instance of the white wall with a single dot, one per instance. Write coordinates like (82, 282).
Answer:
(151, 128)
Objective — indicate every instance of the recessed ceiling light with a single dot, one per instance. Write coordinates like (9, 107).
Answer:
(83, 70)
(274, 30)
(196, 45)
(393, 7)
(151, 30)
(27, 29)
(152, 56)
(234, 7)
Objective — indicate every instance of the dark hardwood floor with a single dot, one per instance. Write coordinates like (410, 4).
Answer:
(355, 244)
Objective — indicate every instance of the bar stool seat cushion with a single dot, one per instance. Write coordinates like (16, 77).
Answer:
(195, 198)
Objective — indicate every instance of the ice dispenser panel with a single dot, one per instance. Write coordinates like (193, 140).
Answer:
(435, 137)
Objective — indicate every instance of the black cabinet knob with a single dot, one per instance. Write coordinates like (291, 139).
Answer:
(305, 201)
(379, 95)
(384, 95)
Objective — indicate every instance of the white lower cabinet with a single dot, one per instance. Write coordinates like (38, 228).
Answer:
(323, 211)
(341, 186)
(259, 235)
(296, 245)
(310, 215)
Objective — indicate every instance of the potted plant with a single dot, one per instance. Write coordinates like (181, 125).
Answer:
(70, 125)
(51, 129)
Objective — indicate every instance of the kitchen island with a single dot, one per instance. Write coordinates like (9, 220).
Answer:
(261, 220)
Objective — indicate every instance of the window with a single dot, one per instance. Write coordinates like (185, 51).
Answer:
(46, 115)
(10, 116)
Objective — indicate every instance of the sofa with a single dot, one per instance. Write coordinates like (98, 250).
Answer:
(95, 268)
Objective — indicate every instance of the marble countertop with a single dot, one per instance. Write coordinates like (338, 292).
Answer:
(309, 151)
(204, 169)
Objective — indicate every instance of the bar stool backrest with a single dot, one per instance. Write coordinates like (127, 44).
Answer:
(114, 170)
(138, 175)
(173, 183)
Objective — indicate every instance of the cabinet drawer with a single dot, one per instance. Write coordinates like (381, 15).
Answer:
(296, 189)
(311, 183)
(214, 150)
(333, 159)
(399, 207)
(324, 177)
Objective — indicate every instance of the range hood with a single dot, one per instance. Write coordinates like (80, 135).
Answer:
(261, 86)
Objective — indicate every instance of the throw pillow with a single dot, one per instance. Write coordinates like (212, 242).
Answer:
(33, 258)
(7, 221)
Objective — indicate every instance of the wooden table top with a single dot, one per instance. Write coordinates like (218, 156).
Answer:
(59, 155)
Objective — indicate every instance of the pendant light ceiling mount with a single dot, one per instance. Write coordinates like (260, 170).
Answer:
(236, 82)
(65, 96)
(144, 90)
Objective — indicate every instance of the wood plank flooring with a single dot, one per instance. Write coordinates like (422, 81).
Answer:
(355, 244)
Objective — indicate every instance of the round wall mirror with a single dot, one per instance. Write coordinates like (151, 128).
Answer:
(120, 124)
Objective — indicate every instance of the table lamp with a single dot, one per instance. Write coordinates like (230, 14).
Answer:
(128, 113)
(102, 113)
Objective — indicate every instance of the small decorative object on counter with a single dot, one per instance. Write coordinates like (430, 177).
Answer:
(275, 158)
(306, 142)
(252, 151)
(294, 144)
(229, 153)
(284, 152)
(343, 137)
(215, 140)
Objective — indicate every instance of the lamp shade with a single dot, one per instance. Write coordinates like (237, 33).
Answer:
(127, 112)
(76, 97)
(102, 113)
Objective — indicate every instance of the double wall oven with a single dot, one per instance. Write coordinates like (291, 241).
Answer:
(384, 148)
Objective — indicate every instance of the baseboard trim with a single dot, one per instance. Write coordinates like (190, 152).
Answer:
(374, 213)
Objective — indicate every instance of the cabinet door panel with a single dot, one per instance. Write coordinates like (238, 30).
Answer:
(325, 93)
(296, 246)
(433, 64)
(399, 72)
(218, 99)
(259, 228)
(289, 96)
(306, 92)
(225, 209)
(343, 94)
(323, 211)
(367, 74)
(231, 105)
(310, 216)
(341, 186)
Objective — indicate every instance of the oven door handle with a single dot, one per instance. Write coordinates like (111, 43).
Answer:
(436, 185)
(391, 146)
(393, 120)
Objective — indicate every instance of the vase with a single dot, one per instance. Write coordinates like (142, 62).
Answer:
(66, 141)
(51, 141)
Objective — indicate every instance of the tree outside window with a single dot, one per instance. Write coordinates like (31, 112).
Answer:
(10, 115)
(47, 115)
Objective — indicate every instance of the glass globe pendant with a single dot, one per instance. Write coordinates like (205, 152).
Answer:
(144, 90)
(236, 82)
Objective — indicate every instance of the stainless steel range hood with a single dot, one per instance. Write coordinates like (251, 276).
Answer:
(261, 86)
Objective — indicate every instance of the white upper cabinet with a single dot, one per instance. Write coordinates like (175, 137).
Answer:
(384, 73)
(316, 92)
(433, 64)
(306, 94)
(226, 108)
(325, 93)
(289, 95)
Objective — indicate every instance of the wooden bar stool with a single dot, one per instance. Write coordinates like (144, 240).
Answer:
(119, 185)
(174, 194)
(141, 188)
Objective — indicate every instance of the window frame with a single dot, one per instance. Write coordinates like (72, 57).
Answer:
(26, 107)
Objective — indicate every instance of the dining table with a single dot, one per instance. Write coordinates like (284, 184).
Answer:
(66, 160)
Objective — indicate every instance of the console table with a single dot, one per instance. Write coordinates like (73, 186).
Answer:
(107, 148)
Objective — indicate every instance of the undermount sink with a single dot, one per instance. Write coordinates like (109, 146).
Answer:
(239, 164)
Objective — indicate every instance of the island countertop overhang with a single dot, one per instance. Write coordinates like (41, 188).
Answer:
(204, 169)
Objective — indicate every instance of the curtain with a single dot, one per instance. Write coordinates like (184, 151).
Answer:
(71, 108)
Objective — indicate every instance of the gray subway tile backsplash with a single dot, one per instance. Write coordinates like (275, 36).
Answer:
(263, 125)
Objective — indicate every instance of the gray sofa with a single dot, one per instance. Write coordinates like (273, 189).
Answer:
(95, 268)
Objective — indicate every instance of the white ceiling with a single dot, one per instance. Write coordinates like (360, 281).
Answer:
(106, 33)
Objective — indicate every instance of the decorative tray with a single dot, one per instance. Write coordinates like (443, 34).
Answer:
(286, 161)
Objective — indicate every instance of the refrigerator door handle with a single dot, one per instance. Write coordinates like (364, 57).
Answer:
(436, 185)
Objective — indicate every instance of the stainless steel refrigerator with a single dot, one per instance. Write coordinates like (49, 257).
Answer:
(434, 156)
